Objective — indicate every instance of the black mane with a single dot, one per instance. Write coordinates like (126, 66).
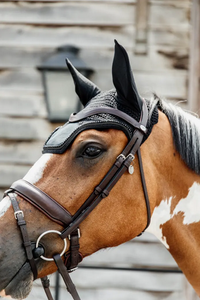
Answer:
(186, 133)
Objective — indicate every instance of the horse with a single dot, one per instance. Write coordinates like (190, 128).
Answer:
(121, 165)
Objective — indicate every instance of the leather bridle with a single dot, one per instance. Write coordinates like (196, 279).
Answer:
(60, 215)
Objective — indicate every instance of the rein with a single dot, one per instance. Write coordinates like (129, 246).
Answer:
(60, 215)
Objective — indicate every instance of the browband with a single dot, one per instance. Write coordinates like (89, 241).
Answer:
(106, 110)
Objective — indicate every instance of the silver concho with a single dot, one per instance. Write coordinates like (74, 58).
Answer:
(131, 169)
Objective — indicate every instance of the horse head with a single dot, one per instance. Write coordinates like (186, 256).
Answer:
(89, 184)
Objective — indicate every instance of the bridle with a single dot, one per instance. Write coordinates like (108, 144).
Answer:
(60, 215)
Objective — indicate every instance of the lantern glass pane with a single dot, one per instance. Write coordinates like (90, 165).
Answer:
(60, 95)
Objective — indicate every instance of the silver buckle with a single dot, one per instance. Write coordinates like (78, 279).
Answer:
(131, 156)
(121, 155)
(79, 235)
(18, 212)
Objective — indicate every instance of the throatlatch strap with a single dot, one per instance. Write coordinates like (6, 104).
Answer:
(65, 275)
(146, 196)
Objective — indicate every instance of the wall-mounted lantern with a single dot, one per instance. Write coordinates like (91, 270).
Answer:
(60, 96)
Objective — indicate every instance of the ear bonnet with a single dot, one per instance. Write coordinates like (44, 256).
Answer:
(117, 109)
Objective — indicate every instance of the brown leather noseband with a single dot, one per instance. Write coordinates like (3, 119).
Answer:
(60, 215)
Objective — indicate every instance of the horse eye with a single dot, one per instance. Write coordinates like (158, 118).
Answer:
(92, 151)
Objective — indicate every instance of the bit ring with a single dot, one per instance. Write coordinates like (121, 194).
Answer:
(51, 231)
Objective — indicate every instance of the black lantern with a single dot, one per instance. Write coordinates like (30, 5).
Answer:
(59, 88)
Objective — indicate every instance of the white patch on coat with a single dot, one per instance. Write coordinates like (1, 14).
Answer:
(160, 216)
(37, 170)
(4, 205)
(189, 206)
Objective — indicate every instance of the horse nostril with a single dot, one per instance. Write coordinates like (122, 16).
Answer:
(37, 252)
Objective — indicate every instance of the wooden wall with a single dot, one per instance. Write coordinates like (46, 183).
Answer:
(32, 30)
(143, 252)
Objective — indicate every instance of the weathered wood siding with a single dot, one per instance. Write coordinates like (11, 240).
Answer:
(31, 30)
(144, 252)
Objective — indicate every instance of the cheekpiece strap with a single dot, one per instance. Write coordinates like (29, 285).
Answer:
(19, 216)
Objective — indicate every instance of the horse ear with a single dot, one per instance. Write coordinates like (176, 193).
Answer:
(85, 89)
(123, 79)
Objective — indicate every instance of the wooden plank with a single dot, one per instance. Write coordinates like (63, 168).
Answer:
(19, 36)
(75, 1)
(141, 27)
(95, 14)
(168, 84)
(134, 254)
(119, 294)
(87, 37)
(20, 153)
(11, 173)
(183, 3)
(22, 106)
(194, 73)
(24, 129)
(146, 237)
(169, 13)
(178, 3)
(169, 37)
(158, 58)
(107, 294)
(128, 280)
(171, 85)
(28, 80)
(22, 57)
(67, 13)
